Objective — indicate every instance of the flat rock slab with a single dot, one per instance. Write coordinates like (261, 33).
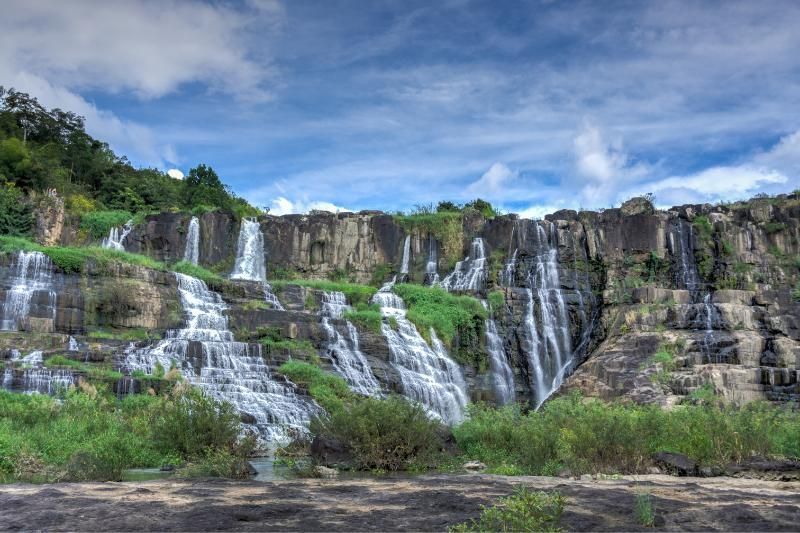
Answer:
(425, 503)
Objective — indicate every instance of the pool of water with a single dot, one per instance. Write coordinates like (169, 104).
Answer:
(144, 474)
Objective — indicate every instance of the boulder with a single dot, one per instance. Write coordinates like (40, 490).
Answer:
(474, 466)
(675, 464)
(331, 452)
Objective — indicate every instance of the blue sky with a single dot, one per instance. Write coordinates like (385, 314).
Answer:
(535, 106)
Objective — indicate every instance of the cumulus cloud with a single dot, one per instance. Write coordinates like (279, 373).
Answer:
(539, 211)
(494, 182)
(175, 173)
(284, 206)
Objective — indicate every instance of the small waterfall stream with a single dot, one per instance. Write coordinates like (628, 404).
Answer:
(208, 356)
(192, 252)
(502, 375)
(427, 373)
(432, 266)
(32, 272)
(28, 375)
(250, 262)
(344, 352)
(469, 274)
(406, 256)
(116, 237)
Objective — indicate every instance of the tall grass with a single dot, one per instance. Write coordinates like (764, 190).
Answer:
(588, 436)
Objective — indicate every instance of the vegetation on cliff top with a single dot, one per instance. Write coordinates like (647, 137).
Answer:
(43, 149)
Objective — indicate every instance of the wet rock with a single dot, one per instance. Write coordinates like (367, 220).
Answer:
(676, 464)
(331, 452)
(324, 471)
(474, 466)
(767, 469)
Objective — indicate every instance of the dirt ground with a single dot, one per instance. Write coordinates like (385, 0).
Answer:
(425, 503)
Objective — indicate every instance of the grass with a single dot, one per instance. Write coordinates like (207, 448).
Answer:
(446, 227)
(99, 223)
(645, 515)
(190, 269)
(128, 335)
(91, 435)
(95, 372)
(355, 293)
(589, 436)
(497, 301)
(301, 348)
(524, 510)
(448, 314)
(328, 390)
(367, 316)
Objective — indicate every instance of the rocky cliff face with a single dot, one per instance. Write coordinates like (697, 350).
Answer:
(631, 303)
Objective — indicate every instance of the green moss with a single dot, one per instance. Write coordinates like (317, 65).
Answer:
(774, 227)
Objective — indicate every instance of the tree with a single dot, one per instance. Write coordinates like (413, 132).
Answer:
(16, 216)
(203, 187)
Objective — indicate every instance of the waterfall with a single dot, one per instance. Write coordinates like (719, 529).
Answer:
(29, 376)
(116, 238)
(347, 358)
(502, 375)
(208, 356)
(431, 268)
(549, 341)
(681, 245)
(507, 274)
(406, 255)
(31, 272)
(72, 346)
(427, 373)
(469, 274)
(710, 314)
(250, 264)
(192, 252)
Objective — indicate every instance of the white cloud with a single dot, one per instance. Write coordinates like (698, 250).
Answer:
(284, 206)
(539, 211)
(494, 183)
(145, 46)
(175, 173)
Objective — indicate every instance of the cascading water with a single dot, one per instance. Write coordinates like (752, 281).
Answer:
(502, 375)
(406, 255)
(549, 348)
(32, 272)
(250, 263)
(27, 374)
(507, 274)
(432, 267)
(192, 251)
(347, 358)
(427, 373)
(116, 237)
(227, 370)
(469, 274)
(710, 315)
(681, 244)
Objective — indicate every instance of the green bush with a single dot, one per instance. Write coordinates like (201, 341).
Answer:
(445, 226)
(355, 293)
(588, 436)
(497, 301)
(295, 347)
(524, 510)
(211, 279)
(99, 223)
(387, 434)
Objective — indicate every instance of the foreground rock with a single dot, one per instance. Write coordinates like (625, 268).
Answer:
(427, 503)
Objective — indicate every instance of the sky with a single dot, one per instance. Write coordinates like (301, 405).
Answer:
(532, 105)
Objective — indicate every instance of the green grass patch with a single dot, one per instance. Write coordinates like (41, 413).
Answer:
(497, 301)
(524, 510)
(330, 391)
(196, 271)
(446, 313)
(589, 436)
(774, 227)
(297, 348)
(446, 227)
(366, 315)
(128, 335)
(354, 292)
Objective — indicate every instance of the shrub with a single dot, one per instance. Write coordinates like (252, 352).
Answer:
(99, 223)
(446, 227)
(497, 301)
(524, 510)
(588, 436)
(774, 227)
(16, 215)
(387, 434)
